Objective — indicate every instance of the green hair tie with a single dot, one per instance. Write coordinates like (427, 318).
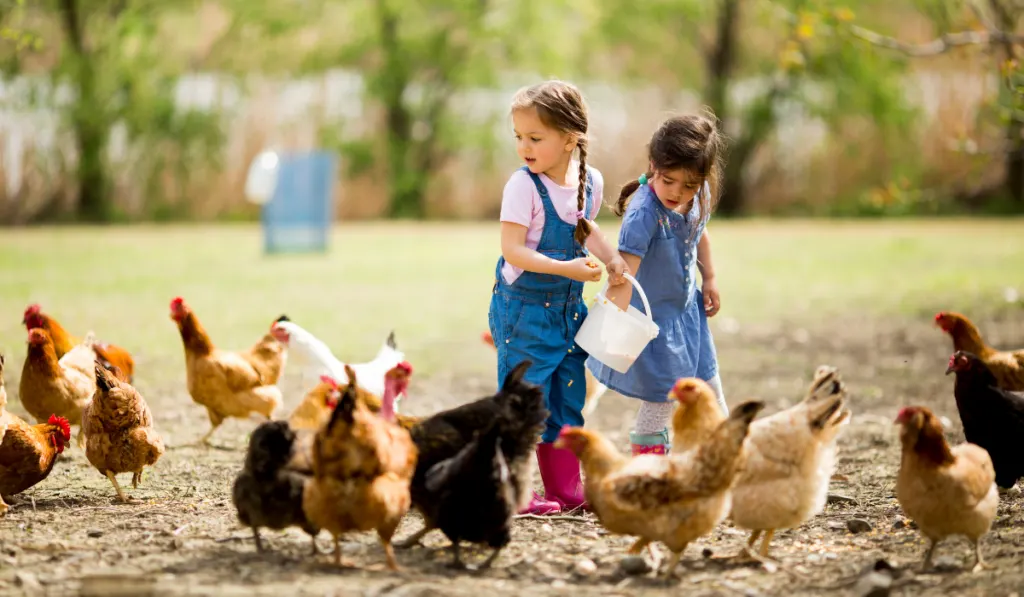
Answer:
(643, 179)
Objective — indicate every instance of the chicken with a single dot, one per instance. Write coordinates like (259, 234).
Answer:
(595, 389)
(362, 467)
(50, 386)
(474, 499)
(29, 452)
(119, 434)
(673, 499)
(790, 458)
(4, 416)
(107, 354)
(317, 359)
(696, 417)
(1007, 366)
(268, 491)
(315, 409)
(993, 418)
(229, 384)
(945, 491)
(474, 468)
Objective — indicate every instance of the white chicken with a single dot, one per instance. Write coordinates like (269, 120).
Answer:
(316, 359)
(791, 456)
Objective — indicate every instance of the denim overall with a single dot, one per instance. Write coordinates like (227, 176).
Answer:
(537, 317)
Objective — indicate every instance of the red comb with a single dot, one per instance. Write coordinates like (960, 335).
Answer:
(65, 427)
(32, 309)
(940, 315)
(405, 367)
(327, 379)
(177, 302)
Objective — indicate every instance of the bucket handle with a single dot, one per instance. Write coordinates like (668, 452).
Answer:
(643, 296)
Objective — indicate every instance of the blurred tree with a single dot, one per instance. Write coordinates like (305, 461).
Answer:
(416, 56)
(12, 29)
(122, 61)
(755, 59)
(998, 27)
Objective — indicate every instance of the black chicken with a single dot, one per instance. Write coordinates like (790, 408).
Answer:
(993, 418)
(474, 468)
(268, 491)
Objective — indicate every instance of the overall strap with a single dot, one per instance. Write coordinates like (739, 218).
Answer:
(545, 199)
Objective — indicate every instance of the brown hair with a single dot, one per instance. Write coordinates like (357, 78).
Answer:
(560, 106)
(690, 142)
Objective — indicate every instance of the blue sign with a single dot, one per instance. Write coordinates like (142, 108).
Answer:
(299, 215)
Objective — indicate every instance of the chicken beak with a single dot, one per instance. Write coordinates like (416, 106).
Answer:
(949, 369)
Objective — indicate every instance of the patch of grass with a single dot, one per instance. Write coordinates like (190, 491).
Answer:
(432, 282)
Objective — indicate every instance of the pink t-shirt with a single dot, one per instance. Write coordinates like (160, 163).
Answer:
(521, 204)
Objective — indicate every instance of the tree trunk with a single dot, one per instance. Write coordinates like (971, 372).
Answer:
(88, 122)
(721, 62)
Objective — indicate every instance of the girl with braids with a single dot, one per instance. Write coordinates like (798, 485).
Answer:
(663, 239)
(547, 229)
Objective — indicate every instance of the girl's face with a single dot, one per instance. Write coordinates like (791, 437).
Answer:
(676, 188)
(542, 149)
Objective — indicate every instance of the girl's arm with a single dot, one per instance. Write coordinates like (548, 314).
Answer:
(603, 250)
(712, 301)
(620, 295)
(515, 251)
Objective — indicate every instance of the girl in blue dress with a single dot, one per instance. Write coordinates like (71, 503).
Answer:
(663, 239)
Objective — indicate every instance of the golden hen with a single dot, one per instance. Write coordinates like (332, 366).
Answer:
(790, 458)
(119, 434)
(362, 468)
(673, 499)
(50, 386)
(228, 384)
(945, 491)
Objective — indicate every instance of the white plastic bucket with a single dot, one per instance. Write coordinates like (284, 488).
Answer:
(616, 337)
(261, 180)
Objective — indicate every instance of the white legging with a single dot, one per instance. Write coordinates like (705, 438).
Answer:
(653, 417)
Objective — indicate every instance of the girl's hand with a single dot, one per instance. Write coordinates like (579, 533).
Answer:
(615, 267)
(583, 269)
(712, 302)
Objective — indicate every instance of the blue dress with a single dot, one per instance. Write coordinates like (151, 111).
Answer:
(666, 241)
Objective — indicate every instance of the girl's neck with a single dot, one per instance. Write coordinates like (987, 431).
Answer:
(559, 172)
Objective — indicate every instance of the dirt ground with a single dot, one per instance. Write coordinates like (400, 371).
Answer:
(69, 535)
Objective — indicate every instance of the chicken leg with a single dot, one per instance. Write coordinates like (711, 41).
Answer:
(928, 555)
(639, 546)
(673, 561)
(979, 562)
(457, 562)
(113, 479)
(136, 479)
(413, 539)
(256, 536)
(767, 539)
(389, 553)
(490, 559)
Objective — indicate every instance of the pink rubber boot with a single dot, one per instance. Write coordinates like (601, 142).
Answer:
(560, 471)
(541, 506)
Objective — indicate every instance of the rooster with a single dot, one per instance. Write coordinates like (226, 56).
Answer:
(229, 384)
(318, 360)
(29, 452)
(108, 354)
(1007, 366)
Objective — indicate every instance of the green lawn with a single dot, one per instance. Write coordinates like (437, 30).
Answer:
(431, 282)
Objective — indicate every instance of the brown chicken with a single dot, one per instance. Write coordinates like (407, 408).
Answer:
(1007, 366)
(108, 354)
(51, 386)
(229, 384)
(790, 458)
(119, 434)
(696, 417)
(316, 407)
(28, 453)
(362, 467)
(945, 491)
(4, 416)
(673, 499)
